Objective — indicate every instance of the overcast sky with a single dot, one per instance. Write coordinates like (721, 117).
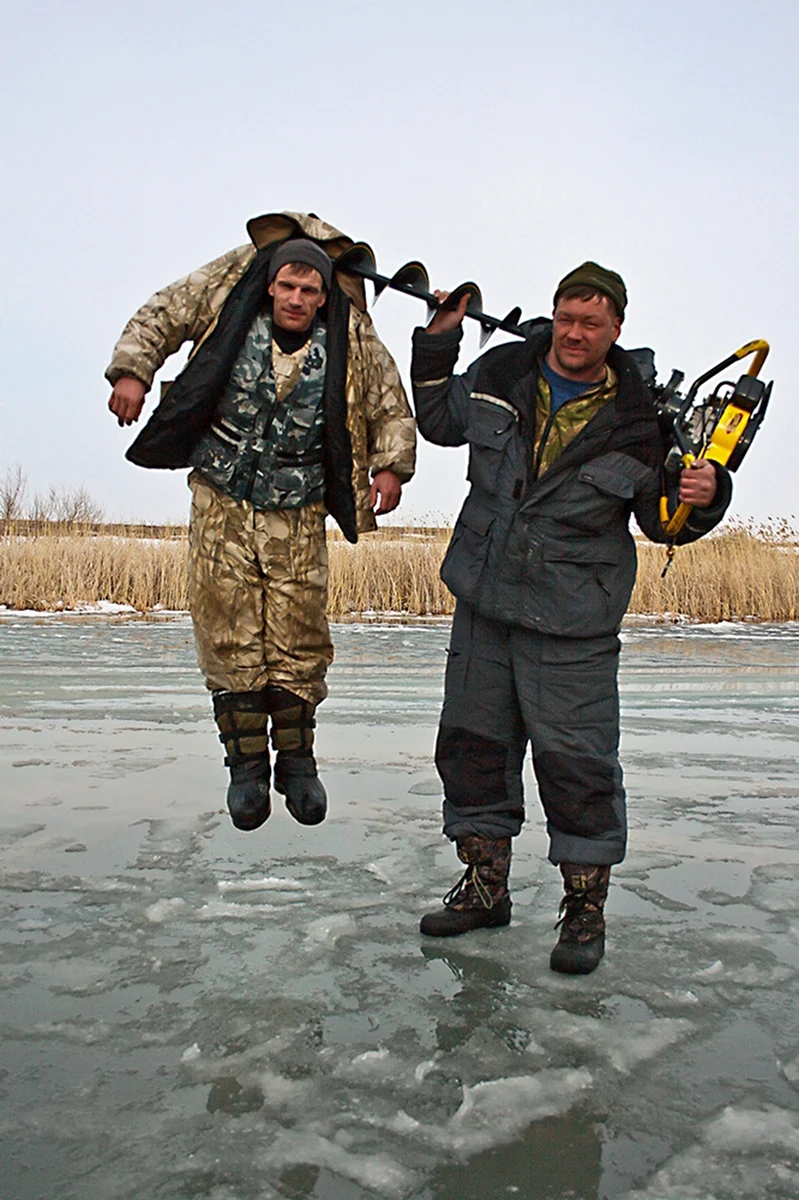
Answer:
(502, 142)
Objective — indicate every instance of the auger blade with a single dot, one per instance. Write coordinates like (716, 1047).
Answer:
(411, 278)
(359, 259)
(509, 324)
(474, 304)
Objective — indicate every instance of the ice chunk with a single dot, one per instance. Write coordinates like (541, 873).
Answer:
(376, 1172)
(623, 1044)
(791, 1071)
(712, 972)
(220, 909)
(267, 883)
(378, 873)
(371, 1056)
(330, 929)
(494, 1112)
(162, 910)
(744, 1153)
(744, 1131)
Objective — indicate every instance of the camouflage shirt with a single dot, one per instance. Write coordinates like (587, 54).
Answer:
(265, 444)
(554, 431)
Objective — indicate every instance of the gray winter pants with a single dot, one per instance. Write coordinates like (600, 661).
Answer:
(506, 686)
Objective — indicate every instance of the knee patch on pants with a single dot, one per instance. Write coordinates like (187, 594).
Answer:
(242, 720)
(577, 793)
(472, 768)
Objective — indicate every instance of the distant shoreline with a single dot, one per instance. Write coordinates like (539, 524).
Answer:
(744, 573)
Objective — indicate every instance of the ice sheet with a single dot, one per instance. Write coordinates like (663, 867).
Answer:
(189, 1011)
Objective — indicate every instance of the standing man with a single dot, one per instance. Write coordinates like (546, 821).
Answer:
(564, 446)
(287, 406)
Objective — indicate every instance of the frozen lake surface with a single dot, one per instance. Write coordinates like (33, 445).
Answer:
(188, 1011)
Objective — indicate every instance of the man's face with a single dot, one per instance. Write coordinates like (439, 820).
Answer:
(296, 298)
(582, 333)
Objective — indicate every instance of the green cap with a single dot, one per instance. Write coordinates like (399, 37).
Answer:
(590, 274)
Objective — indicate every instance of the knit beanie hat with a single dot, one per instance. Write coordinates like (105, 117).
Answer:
(301, 250)
(591, 275)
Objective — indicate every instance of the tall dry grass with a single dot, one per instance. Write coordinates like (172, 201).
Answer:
(746, 572)
(69, 567)
(743, 573)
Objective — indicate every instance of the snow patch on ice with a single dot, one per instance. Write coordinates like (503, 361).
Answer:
(267, 883)
(790, 1071)
(495, 1112)
(71, 1031)
(625, 1045)
(743, 1131)
(378, 873)
(712, 972)
(746, 1153)
(376, 1172)
(371, 1056)
(162, 910)
(330, 929)
(424, 1069)
(216, 909)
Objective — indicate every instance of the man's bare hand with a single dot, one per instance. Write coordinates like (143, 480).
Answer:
(127, 399)
(387, 488)
(447, 319)
(698, 484)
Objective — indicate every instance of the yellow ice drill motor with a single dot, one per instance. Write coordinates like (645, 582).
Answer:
(719, 427)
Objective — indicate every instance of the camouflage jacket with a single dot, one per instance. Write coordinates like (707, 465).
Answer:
(369, 428)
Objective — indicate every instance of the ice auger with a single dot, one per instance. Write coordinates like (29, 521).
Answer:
(412, 279)
(719, 427)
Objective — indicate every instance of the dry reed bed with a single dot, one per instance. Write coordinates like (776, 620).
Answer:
(745, 573)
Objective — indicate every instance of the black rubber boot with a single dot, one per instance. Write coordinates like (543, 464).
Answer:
(296, 775)
(480, 899)
(242, 720)
(297, 779)
(582, 921)
(248, 798)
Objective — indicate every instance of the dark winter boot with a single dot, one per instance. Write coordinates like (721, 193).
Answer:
(242, 720)
(296, 776)
(582, 923)
(480, 899)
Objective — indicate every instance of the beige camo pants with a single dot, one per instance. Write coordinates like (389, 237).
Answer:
(258, 594)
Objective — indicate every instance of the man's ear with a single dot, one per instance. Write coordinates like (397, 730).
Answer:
(616, 331)
(271, 289)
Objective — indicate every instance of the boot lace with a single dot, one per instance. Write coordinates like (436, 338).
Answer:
(469, 878)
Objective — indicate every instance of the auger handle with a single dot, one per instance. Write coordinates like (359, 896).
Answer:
(760, 349)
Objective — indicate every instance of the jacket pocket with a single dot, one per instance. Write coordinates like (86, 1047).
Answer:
(465, 560)
(610, 481)
(581, 589)
(489, 434)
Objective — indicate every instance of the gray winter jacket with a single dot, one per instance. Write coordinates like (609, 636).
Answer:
(554, 553)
